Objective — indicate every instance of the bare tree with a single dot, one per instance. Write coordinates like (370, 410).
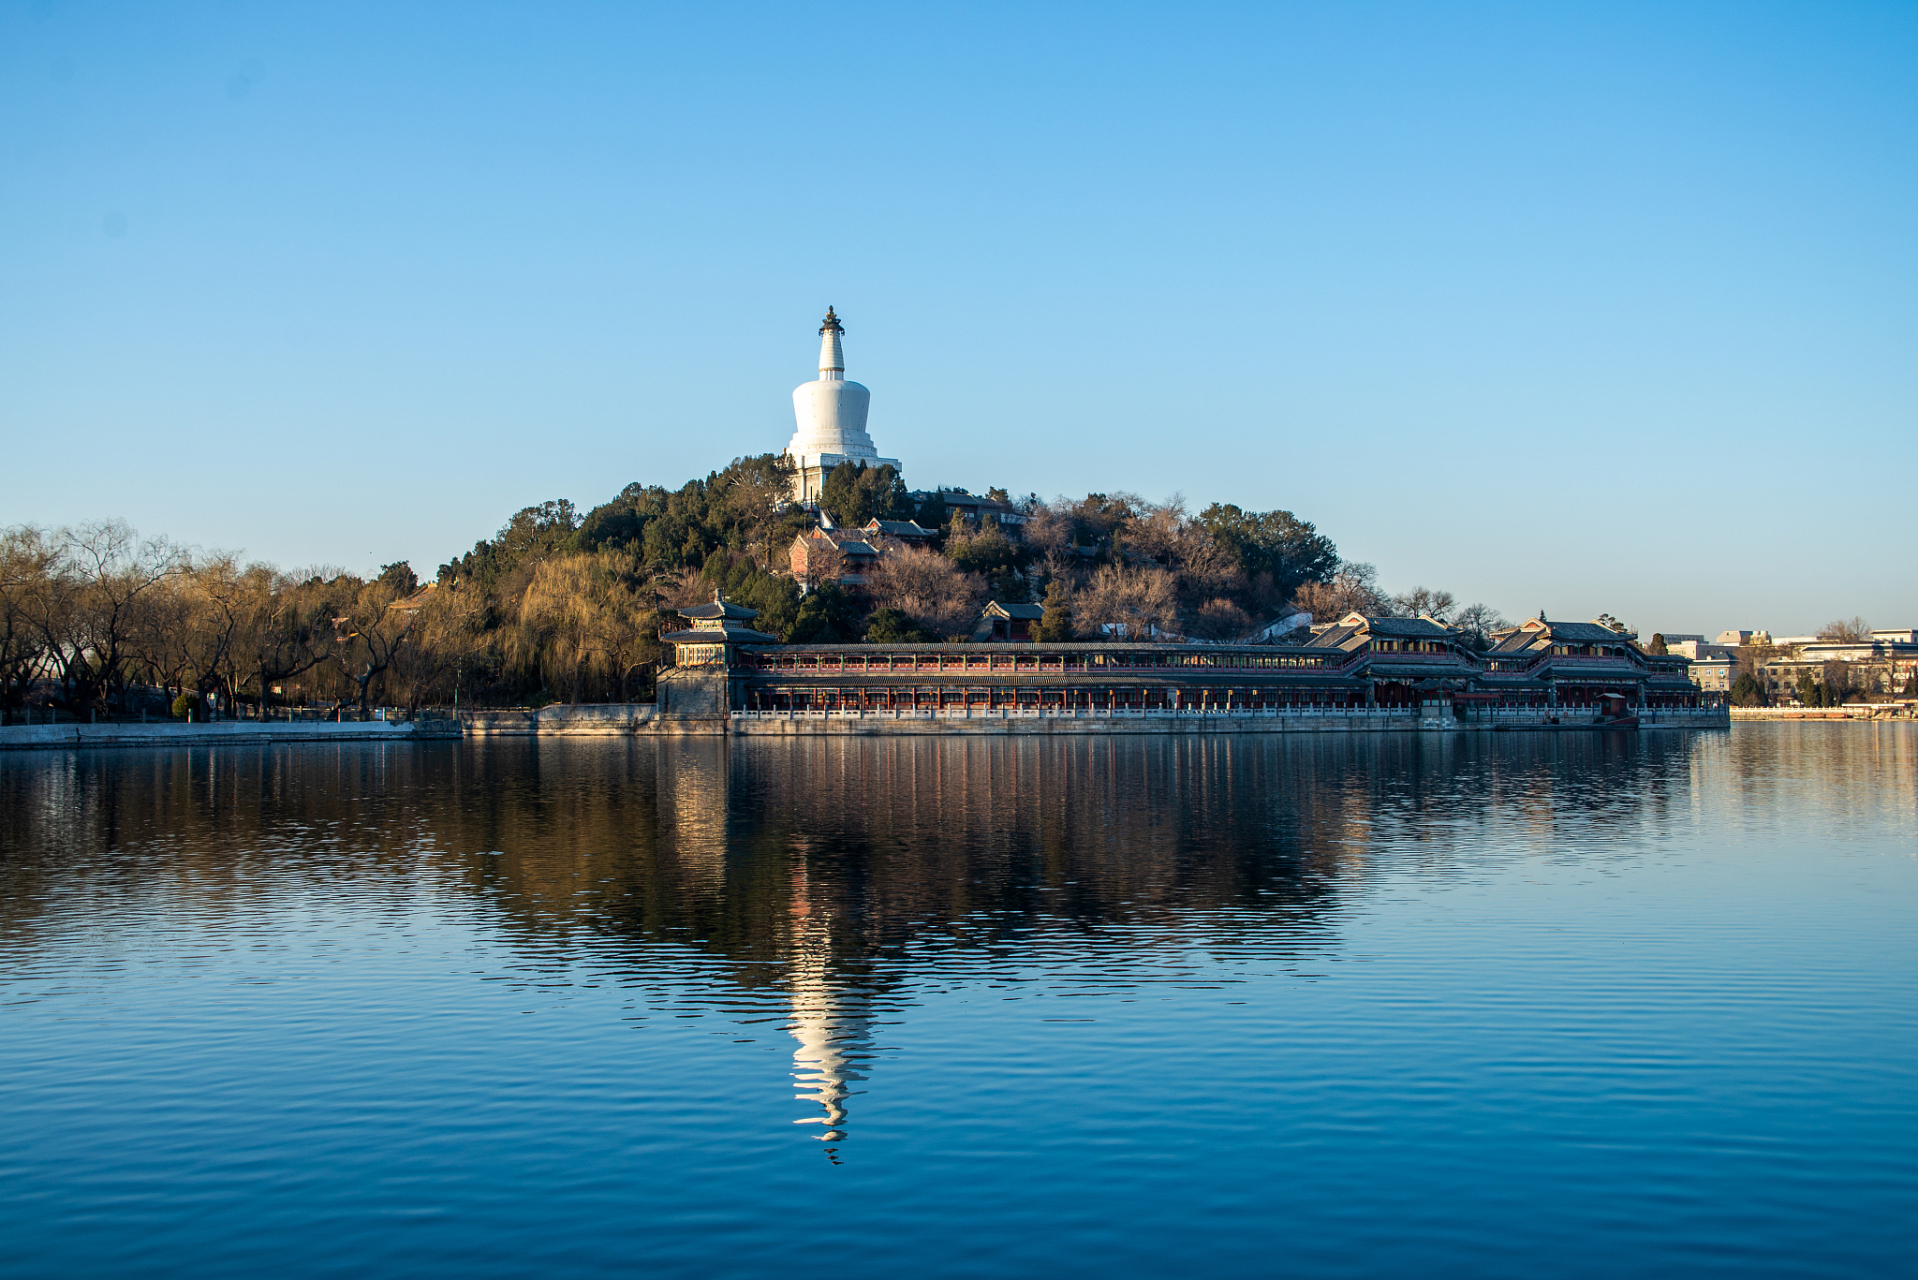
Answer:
(1353, 589)
(1478, 622)
(27, 560)
(1854, 630)
(1752, 657)
(370, 633)
(1122, 600)
(929, 589)
(165, 644)
(189, 632)
(88, 609)
(1220, 619)
(555, 620)
(1425, 602)
(628, 626)
(624, 635)
(1156, 531)
(1165, 534)
(217, 584)
(816, 559)
(286, 624)
(1048, 531)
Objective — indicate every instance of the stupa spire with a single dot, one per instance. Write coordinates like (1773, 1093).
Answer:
(832, 358)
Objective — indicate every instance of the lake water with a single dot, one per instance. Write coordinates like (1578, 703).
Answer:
(1499, 1005)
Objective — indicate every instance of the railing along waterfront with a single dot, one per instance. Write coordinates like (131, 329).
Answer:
(1077, 713)
(1013, 663)
(1562, 715)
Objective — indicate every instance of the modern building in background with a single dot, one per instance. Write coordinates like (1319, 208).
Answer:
(1877, 666)
(1714, 674)
(1713, 666)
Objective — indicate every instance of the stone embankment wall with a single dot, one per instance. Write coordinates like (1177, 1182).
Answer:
(1897, 712)
(618, 719)
(63, 736)
(643, 720)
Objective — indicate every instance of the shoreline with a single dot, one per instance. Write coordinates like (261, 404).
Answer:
(643, 720)
(54, 737)
(1863, 715)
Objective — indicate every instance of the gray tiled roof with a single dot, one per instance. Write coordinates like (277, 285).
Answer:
(1336, 635)
(1332, 637)
(1586, 633)
(731, 635)
(719, 609)
(1408, 627)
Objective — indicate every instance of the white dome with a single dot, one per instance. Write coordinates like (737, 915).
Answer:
(831, 416)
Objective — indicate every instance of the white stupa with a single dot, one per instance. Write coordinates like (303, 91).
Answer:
(831, 413)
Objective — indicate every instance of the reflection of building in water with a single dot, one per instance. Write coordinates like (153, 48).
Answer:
(694, 808)
(831, 1020)
(817, 880)
(830, 1015)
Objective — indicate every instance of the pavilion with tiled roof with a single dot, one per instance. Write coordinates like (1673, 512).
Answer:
(717, 628)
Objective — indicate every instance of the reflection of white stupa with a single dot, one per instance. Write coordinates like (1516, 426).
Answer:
(830, 1023)
(831, 413)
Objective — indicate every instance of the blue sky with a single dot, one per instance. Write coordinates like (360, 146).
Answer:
(1587, 308)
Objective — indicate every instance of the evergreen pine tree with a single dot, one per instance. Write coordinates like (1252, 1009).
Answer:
(1055, 624)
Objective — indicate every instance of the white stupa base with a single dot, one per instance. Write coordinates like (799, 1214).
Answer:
(809, 479)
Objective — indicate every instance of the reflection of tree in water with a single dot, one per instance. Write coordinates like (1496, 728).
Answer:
(832, 872)
(828, 874)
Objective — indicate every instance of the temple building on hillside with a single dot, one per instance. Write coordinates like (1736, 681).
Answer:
(831, 414)
(839, 556)
(1008, 622)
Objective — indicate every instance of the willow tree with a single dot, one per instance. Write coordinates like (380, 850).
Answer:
(582, 613)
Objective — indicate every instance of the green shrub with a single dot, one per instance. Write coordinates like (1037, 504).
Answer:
(892, 626)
